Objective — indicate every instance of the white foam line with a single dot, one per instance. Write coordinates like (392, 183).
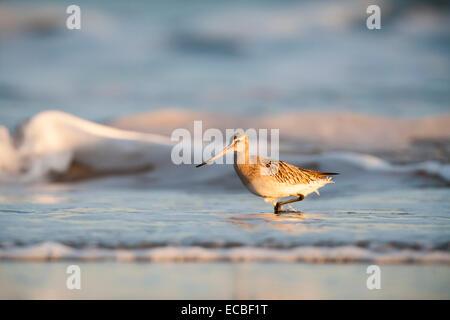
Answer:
(50, 251)
(373, 163)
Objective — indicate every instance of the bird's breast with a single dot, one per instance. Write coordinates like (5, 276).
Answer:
(247, 175)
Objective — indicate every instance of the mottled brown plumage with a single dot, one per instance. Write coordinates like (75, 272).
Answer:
(288, 173)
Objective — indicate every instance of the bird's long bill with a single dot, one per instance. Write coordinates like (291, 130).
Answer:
(217, 156)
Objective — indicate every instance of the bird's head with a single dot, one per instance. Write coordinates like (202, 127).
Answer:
(238, 144)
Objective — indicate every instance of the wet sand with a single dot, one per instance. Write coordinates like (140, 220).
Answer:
(111, 280)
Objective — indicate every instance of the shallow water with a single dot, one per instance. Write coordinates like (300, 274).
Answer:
(97, 220)
(222, 281)
(373, 106)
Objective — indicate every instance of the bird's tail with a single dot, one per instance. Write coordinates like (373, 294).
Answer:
(329, 173)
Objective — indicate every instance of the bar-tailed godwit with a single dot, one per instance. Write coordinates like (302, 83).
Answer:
(272, 179)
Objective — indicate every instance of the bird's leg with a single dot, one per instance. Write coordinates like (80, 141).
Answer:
(280, 203)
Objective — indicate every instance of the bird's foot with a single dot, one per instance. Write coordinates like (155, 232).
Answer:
(282, 211)
(278, 210)
(277, 207)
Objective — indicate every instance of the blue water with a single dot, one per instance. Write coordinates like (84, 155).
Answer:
(89, 215)
(244, 57)
(252, 57)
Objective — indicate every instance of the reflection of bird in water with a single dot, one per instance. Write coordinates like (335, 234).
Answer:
(272, 179)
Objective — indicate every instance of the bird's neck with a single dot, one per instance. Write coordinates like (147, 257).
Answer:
(242, 157)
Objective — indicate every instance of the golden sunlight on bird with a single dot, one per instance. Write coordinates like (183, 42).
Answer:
(272, 179)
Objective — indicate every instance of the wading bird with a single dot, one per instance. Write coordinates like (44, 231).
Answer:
(272, 179)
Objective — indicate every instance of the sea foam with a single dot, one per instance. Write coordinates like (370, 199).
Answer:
(52, 142)
(52, 251)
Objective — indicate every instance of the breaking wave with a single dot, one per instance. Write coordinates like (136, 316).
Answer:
(57, 143)
(59, 146)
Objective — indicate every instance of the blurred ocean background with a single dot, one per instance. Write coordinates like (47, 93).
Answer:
(373, 105)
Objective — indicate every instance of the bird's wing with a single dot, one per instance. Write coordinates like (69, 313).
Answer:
(285, 172)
